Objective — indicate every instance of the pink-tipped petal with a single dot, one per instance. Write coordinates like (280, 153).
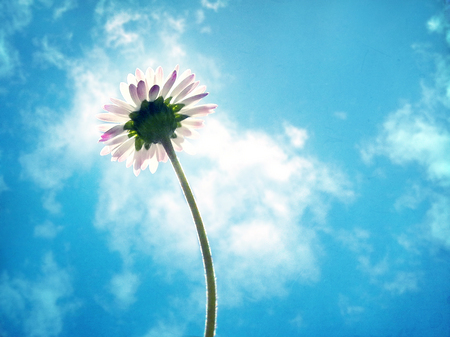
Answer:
(116, 109)
(105, 127)
(153, 164)
(122, 104)
(116, 140)
(176, 144)
(121, 150)
(153, 93)
(199, 90)
(107, 117)
(193, 123)
(141, 91)
(169, 83)
(186, 91)
(140, 76)
(131, 79)
(125, 91)
(112, 132)
(106, 150)
(134, 95)
(201, 110)
(188, 147)
(193, 99)
(150, 77)
(183, 84)
(159, 76)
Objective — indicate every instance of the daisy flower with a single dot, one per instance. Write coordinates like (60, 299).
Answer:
(153, 110)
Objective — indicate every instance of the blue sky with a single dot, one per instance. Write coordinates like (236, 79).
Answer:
(323, 177)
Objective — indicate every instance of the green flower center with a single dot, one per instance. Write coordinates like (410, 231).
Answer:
(154, 122)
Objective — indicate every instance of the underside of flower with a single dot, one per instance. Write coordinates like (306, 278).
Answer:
(153, 110)
(154, 121)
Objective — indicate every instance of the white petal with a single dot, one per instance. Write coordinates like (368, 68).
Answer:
(193, 99)
(188, 147)
(116, 109)
(185, 91)
(185, 132)
(105, 127)
(197, 111)
(201, 89)
(150, 77)
(193, 123)
(125, 91)
(139, 75)
(183, 84)
(112, 132)
(131, 79)
(176, 143)
(116, 140)
(159, 76)
(153, 164)
(123, 149)
(106, 150)
(107, 117)
(153, 160)
(153, 93)
(134, 95)
(161, 154)
(169, 83)
(122, 104)
(142, 91)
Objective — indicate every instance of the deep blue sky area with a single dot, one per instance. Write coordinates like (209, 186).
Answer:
(322, 177)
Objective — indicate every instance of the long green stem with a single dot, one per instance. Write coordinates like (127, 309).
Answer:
(204, 245)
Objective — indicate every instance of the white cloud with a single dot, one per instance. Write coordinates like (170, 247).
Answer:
(409, 136)
(3, 186)
(357, 240)
(49, 54)
(123, 287)
(350, 312)
(39, 307)
(411, 198)
(403, 282)
(341, 115)
(297, 136)
(214, 5)
(165, 330)
(200, 16)
(438, 219)
(67, 5)
(47, 230)
(9, 57)
(115, 28)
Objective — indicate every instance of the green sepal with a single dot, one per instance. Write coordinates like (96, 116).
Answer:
(138, 143)
(129, 125)
(147, 146)
(176, 107)
(179, 117)
(167, 100)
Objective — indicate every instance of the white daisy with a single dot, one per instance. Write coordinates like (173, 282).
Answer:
(153, 110)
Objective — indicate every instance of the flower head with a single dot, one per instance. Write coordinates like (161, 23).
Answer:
(153, 110)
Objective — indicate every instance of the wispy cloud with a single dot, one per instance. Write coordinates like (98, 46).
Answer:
(123, 287)
(47, 230)
(410, 136)
(38, 307)
(66, 6)
(214, 5)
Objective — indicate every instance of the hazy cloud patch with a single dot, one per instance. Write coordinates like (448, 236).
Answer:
(39, 306)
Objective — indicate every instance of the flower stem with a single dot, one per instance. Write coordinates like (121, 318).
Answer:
(211, 300)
